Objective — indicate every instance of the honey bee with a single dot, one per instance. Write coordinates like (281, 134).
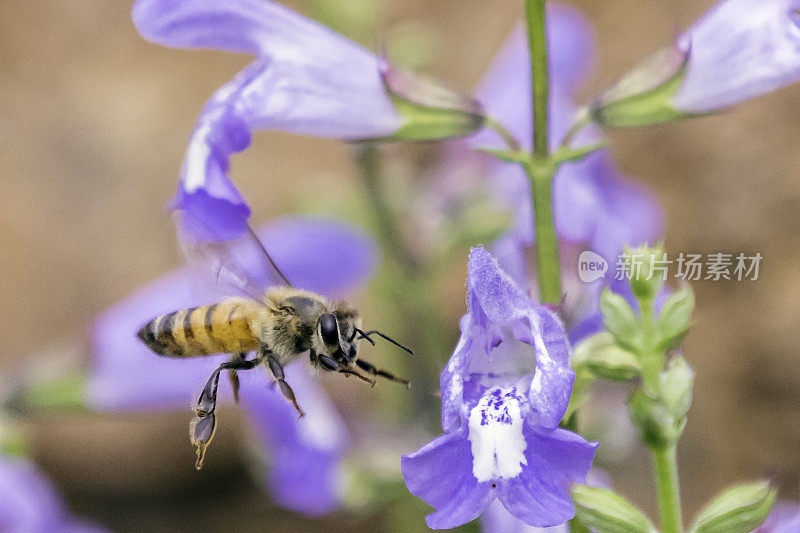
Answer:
(277, 321)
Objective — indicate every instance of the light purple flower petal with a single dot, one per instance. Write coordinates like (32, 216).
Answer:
(784, 518)
(126, 375)
(304, 453)
(739, 49)
(30, 503)
(497, 519)
(539, 496)
(306, 79)
(441, 474)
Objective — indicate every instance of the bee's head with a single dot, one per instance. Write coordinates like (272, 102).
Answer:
(337, 333)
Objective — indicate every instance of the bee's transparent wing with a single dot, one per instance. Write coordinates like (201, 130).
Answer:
(243, 265)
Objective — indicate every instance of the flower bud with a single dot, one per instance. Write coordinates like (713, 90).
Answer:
(676, 387)
(737, 510)
(675, 320)
(603, 510)
(619, 320)
(429, 111)
(646, 270)
(658, 426)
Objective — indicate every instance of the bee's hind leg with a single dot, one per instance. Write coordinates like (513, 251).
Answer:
(204, 424)
(369, 368)
(277, 371)
(233, 376)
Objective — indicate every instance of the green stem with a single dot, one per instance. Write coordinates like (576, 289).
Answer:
(541, 168)
(369, 163)
(547, 262)
(537, 41)
(665, 464)
(651, 360)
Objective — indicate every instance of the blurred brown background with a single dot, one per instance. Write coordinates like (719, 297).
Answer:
(93, 125)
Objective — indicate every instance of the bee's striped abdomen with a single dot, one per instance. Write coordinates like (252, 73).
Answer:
(219, 328)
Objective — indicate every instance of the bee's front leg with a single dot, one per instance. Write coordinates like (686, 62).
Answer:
(329, 363)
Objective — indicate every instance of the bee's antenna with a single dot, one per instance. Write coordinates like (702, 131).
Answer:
(362, 335)
(366, 334)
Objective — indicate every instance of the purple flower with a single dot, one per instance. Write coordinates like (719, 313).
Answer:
(126, 375)
(595, 206)
(784, 518)
(504, 391)
(306, 79)
(30, 503)
(737, 50)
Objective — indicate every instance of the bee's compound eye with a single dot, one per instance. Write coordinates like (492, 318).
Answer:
(328, 329)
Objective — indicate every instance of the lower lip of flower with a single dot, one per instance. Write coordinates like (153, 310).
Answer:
(495, 433)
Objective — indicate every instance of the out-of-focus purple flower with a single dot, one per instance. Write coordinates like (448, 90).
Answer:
(784, 518)
(306, 79)
(594, 205)
(504, 391)
(126, 375)
(737, 50)
(30, 503)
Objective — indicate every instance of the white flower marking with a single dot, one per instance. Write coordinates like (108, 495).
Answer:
(495, 432)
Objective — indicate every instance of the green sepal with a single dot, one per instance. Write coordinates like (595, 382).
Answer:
(429, 111)
(644, 95)
(659, 428)
(603, 358)
(519, 157)
(739, 509)
(566, 154)
(606, 511)
(676, 383)
(620, 321)
(675, 320)
(583, 376)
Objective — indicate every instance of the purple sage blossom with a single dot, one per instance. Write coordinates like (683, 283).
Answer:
(30, 503)
(737, 50)
(504, 392)
(126, 375)
(305, 79)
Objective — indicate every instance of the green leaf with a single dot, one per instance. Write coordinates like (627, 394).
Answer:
(606, 360)
(737, 510)
(65, 393)
(619, 320)
(608, 512)
(675, 320)
(676, 387)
